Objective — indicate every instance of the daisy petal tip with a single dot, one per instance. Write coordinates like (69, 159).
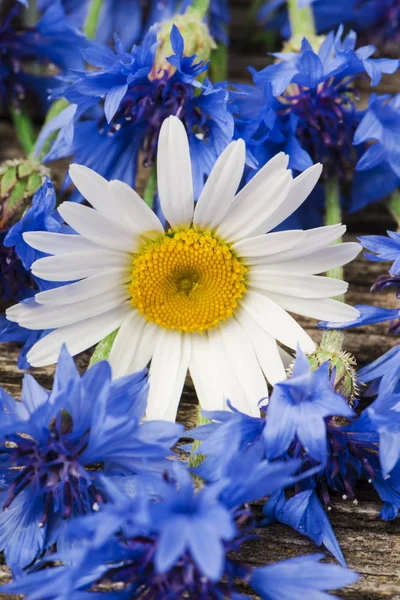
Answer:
(28, 237)
(76, 171)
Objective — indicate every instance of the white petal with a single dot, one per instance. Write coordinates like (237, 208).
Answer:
(204, 373)
(99, 228)
(77, 337)
(166, 376)
(132, 209)
(93, 187)
(145, 348)
(302, 186)
(240, 353)
(241, 221)
(286, 358)
(86, 288)
(324, 309)
(174, 174)
(317, 262)
(267, 245)
(69, 267)
(265, 347)
(256, 190)
(219, 190)
(276, 321)
(126, 344)
(313, 241)
(58, 243)
(39, 316)
(232, 389)
(302, 286)
(171, 413)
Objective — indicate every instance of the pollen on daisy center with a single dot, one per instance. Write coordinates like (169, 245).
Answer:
(187, 280)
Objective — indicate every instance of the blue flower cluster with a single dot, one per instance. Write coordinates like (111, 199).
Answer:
(305, 104)
(382, 375)
(377, 21)
(307, 421)
(52, 447)
(142, 15)
(117, 110)
(82, 474)
(25, 51)
(17, 283)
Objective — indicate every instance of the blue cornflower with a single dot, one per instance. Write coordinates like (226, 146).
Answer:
(384, 415)
(53, 444)
(117, 111)
(298, 408)
(384, 372)
(23, 50)
(384, 249)
(177, 545)
(368, 315)
(305, 105)
(315, 426)
(377, 21)
(299, 578)
(16, 280)
(131, 19)
(381, 125)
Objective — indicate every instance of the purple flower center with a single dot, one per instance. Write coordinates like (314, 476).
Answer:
(15, 281)
(13, 51)
(326, 122)
(148, 104)
(183, 580)
(386, 29)
(384, 281)
(348, 457)
(53, 470)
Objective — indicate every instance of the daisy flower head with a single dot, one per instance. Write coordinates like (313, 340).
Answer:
(209, 294)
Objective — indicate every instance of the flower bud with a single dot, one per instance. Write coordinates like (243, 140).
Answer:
(19, 180)
(196, 36)
(341, 362)
(294, 44)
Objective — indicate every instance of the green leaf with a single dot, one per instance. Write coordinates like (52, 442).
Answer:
(24, 169)
(34, 183)
(103, 349)
(24, 129)
(8, 181)
(17, 195)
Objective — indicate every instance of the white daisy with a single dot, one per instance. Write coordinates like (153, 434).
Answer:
(209, 295)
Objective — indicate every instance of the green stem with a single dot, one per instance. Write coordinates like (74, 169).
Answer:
(54, 109)
(394, 206)
(151, 187)
(201, 6)
(93, 19)
(332, 339)
(195, 460)
(333, 216)
(219, 63)
(103, 349)
(301, 20)
(24, 129)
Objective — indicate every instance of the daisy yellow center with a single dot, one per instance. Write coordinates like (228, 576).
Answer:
(188, 280)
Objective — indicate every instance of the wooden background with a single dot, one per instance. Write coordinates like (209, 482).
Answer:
(370, 546)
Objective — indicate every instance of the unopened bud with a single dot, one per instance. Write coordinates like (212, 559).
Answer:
(19, 180)
(196, 36)
(295, 42)
(342, 363)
